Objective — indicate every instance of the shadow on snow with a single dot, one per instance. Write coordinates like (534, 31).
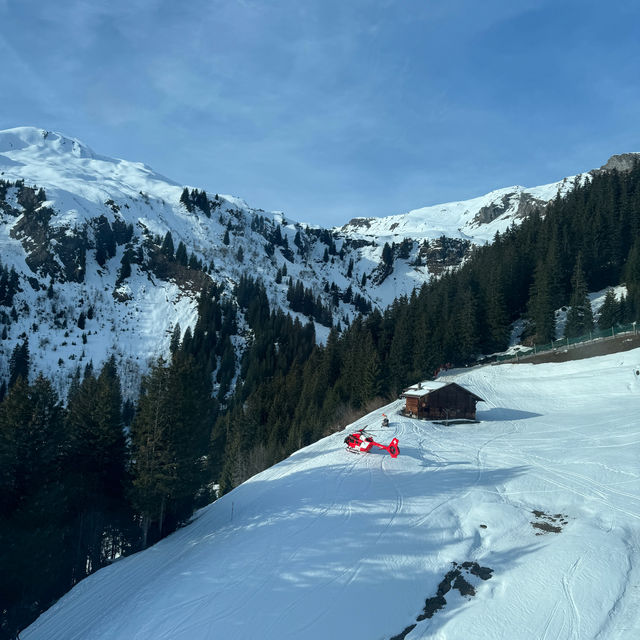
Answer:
(498, 414)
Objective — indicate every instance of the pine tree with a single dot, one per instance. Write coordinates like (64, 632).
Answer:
(19, 362)
(350, 269)
(632, 278)
(181, 254)
(226, 370)
(202, 202)
(610, 311)
(31, 425)
(465, 327)
(497, 316)
(540, 307)
(400, 350)
(175, 339)
(580, 314)
(169, 438)
(186, 200)
(125, 266)
(167, 245)
(154, 469)
(387, 254)
(370, 378)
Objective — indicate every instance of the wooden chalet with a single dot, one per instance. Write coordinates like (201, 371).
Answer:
(435, 400)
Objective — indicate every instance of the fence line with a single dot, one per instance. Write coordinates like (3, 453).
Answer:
(596, 334)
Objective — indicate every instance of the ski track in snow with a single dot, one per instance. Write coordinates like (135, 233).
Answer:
(328, 544)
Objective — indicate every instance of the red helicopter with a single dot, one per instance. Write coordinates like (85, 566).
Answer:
(361, 441)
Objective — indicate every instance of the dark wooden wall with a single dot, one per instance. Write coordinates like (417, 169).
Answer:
(451, 402)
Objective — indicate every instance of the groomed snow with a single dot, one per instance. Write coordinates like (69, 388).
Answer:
(328, 544)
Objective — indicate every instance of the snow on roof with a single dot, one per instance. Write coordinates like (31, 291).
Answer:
(424, 388)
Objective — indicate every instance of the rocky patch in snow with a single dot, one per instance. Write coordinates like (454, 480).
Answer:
(453, 579)
(546, 523)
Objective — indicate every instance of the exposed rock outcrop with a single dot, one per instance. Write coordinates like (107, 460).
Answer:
(520, 204)
(621, 162)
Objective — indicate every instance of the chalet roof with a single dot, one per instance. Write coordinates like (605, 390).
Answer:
(425, 388)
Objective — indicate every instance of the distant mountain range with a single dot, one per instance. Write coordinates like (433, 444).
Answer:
(102, 255)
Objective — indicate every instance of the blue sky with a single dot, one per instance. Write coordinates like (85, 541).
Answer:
(330, 109)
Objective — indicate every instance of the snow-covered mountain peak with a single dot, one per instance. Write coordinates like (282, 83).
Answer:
(56, 162)
(42, 142)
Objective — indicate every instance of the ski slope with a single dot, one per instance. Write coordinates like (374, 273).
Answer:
(330, 544)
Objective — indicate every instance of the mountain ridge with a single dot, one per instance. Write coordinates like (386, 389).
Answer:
(70, 218)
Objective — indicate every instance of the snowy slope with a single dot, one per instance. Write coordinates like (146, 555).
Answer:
(477, 219)
(133, 320)
(57, 244)
(327, 544)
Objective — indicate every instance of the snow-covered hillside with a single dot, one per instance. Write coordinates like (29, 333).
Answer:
(535, 510)
(477, 219)
(70, 219)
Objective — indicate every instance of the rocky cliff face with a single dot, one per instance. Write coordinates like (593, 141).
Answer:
(621, 162)
(520, 204)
